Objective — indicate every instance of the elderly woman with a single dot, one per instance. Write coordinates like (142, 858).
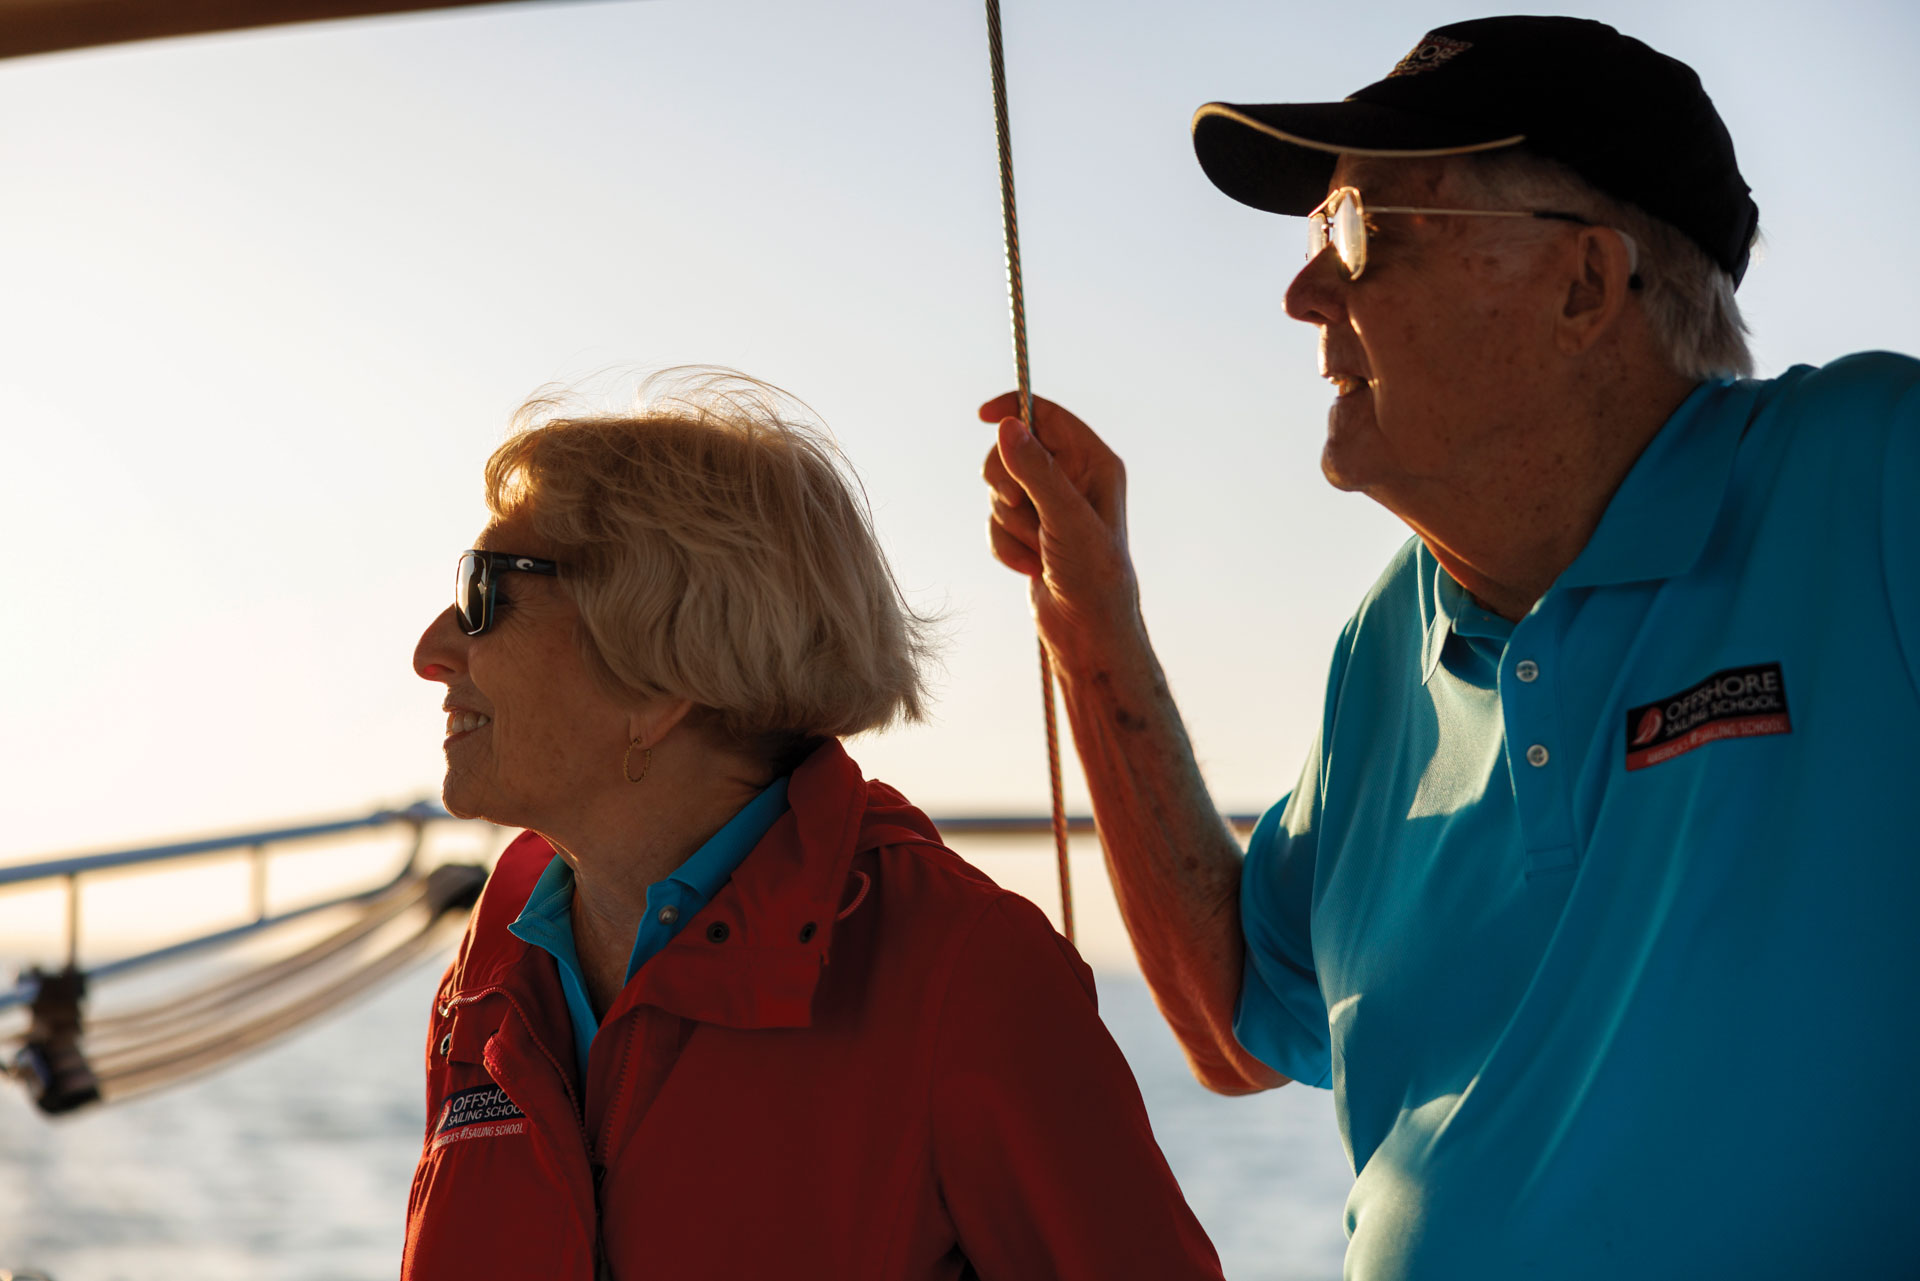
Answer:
(728, 1009)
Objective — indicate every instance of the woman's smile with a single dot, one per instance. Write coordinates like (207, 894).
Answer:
(461, 722)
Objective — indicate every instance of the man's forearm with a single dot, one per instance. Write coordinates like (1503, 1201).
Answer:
(1174, 864)
(1059, 517)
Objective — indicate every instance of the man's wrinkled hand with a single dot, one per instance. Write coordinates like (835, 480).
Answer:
(1059, 516)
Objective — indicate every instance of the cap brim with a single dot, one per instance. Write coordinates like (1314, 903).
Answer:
(1280, 156)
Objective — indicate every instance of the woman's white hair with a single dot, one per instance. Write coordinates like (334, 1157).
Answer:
(1688, 298)
(720, 550)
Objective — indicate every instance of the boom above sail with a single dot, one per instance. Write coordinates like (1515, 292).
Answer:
(47, 26)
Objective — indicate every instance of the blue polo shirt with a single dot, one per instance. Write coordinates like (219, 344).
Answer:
(547, 921)
(1604, 925)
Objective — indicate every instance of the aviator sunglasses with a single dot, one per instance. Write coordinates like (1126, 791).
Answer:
(1341, 221)
(476, 582)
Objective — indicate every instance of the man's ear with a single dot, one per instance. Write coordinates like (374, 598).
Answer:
(1602, 281)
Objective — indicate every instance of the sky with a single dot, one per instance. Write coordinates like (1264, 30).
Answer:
(271, 299)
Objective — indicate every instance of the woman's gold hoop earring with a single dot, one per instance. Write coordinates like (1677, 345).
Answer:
(646, 761)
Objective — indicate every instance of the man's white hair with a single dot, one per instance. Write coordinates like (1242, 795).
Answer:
(1687, 296)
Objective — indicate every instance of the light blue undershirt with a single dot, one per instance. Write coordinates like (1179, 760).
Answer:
(547, 923)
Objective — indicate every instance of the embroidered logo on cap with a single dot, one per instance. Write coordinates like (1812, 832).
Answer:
(1740, 702)
(483, 1112)
(1428, 54)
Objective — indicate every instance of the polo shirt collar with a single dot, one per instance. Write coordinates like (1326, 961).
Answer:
(1437, 607)
(1656, 525)
(727, 848)
(546, 921)
(1450, 610)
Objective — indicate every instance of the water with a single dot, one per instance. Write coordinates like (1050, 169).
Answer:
(294, 1165)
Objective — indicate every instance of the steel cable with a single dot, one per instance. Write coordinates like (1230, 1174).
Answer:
(1010, 231)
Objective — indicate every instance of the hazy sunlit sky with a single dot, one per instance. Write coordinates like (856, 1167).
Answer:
(270, 299)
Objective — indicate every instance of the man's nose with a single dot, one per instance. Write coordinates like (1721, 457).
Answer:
(442, 651)
(1318, 292)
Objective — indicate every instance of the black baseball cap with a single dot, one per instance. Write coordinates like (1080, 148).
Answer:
(1630, 120)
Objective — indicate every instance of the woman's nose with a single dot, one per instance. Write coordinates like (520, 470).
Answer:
(441, 653)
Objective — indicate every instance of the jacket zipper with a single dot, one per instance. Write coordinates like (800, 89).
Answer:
(602, 1268)
(601, 1271)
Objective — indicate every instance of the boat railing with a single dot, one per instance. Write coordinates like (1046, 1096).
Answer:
(261, 847)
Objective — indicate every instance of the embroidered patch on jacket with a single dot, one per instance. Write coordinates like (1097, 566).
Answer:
(1740, 702)
(483, 1112)
(1428, 54)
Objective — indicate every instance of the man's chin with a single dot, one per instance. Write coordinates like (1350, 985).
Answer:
(1340, 474)
(1351, 436)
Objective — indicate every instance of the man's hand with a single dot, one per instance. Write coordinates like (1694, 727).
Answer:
(1059, 516)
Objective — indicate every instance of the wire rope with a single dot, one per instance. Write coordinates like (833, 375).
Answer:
(1016, 298)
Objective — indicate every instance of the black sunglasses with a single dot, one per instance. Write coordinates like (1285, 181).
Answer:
(474, 584)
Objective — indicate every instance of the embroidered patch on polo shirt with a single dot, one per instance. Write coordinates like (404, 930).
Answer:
(1740, 702)
(483, 1112)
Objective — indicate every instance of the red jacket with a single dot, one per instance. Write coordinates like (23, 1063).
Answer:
(862, 1060)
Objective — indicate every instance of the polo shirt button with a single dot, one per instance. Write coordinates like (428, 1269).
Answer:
(1527, 670)
(669, 914)
(1536, 755)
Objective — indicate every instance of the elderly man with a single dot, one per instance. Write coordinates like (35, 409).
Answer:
(1595, 903)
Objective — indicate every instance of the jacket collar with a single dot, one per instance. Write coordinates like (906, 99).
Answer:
(752, 958)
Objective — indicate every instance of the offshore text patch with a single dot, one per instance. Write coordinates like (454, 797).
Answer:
(483, 1112)
(1740, 702)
